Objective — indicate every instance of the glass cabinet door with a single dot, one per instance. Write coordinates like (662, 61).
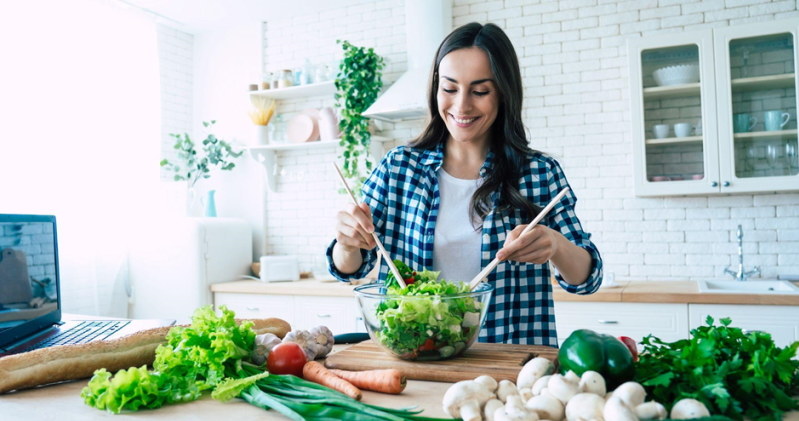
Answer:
(672, 113)
(672, 88)
(760, 114)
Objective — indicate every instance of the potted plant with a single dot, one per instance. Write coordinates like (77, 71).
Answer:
(358, 83)
(191, 166)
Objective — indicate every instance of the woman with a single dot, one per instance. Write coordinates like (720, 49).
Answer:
(464, 190)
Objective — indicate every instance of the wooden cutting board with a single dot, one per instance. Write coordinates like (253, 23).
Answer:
(500, 361)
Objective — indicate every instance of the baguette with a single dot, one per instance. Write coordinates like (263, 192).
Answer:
(70, 362)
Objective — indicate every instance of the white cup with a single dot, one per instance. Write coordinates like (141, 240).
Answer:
(660, 130)
(775, 120)
(682, 129)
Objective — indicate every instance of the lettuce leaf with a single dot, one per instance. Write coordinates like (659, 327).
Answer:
(194, 358)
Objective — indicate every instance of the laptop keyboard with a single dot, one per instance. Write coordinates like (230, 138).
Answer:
(85, 331)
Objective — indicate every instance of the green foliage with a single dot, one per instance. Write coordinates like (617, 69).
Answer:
(193, 359)
(734, 373)
(191, 167)
(213, 353)
(358, 84)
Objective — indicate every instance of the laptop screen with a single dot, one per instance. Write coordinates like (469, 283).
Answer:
(29, 284)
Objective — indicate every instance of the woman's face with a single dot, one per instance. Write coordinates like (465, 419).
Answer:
(467, 95)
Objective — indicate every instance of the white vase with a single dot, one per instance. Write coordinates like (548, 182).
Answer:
(262, 134)
(195, 203)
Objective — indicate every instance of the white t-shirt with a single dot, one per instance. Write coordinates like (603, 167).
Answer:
(456, 245)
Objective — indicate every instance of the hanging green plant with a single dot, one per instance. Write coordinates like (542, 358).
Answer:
(358, 84)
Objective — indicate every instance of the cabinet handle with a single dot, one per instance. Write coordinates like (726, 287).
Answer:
(323, 315)
(607, 322)
(726, 184)
(714, 184)
(253, 308)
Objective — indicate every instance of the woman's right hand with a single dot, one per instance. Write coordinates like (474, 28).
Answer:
(354, 228)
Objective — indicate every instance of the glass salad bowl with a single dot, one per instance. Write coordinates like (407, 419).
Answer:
(423, 327)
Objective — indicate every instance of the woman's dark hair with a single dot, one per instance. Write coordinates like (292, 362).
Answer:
(508, 136)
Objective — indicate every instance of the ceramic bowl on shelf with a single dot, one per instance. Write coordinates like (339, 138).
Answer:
(423, 327)
(676, 75)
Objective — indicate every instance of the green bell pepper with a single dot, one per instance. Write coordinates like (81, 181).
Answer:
(586, 350)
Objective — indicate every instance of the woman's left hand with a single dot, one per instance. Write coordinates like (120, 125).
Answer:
(537, 246)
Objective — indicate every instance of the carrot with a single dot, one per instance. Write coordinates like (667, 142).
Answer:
(318, 373)
(388, 380)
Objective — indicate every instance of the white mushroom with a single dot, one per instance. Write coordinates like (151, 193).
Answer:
(650, 411)
(506, 388)
(572, 376)
(592, 382)
(487, 381)
(540, 384)
(616, 410)
(526, 394)
(631, 393)
(546, 406)
(514, 410)
(465, 398)
(533, 370)
(585, 407)
(490, 408)
(562, 387)
(689, 408)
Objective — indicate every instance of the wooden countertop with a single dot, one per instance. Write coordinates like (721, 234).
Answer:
(63, 401)
(672, 292)
(627, 291)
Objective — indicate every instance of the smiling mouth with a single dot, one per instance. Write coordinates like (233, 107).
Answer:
(464, 120)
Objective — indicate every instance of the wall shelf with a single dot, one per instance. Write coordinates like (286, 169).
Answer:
(299, 91)
(762, 83)
(673, 140)
(267, 154)
(766, 134)
(671, 91)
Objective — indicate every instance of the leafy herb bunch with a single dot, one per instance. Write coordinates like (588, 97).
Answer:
(733, 373)
(358, 84)
(217, 153)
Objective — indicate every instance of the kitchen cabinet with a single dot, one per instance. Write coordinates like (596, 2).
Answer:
(782, 322)
(340, 314)
(269, 155)
(668, 321)
(732, 91)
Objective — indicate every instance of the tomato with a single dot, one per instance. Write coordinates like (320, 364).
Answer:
(631, 345)
(286, 358)
(428, 345)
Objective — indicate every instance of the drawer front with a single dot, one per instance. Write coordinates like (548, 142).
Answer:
(337, 313)
(636, 320)
(782, 322)
(258, 305)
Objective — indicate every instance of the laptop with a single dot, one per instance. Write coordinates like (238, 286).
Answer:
(30, 292)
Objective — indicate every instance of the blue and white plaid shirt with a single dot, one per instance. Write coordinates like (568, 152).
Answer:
(403, 195)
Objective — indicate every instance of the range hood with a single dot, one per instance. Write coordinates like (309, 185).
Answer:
(427, 22)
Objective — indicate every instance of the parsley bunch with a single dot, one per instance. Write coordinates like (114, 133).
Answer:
(734, 373)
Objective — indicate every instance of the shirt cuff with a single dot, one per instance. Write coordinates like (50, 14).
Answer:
(591, 285)
(368, 256)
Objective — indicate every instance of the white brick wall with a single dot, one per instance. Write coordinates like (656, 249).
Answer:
(576, 107)
(175, 53)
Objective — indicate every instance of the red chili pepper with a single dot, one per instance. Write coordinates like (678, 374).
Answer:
(631, 345)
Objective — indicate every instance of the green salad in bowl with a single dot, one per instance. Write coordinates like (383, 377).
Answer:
(428, 319)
